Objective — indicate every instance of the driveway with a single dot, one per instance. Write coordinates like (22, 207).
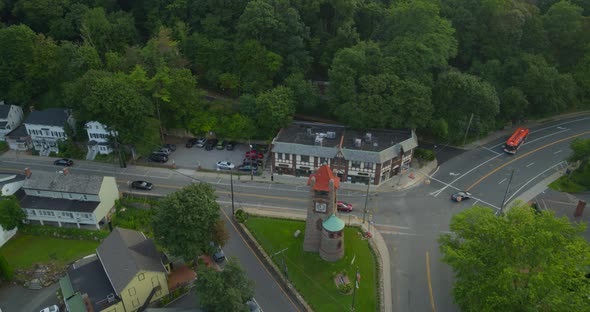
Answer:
(19, 299)
(191, 158)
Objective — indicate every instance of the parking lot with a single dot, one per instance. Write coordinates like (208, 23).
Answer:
(198, 157)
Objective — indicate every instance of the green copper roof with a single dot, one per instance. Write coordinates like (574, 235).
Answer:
(66, 286)
(333, 224)
(76, 304)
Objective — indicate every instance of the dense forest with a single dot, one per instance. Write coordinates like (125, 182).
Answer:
(143, 65)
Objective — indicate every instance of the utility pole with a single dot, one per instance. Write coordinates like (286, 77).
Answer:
(252, 160)
(366, 200)
(467, 131)
(231, 183)
(506, 193)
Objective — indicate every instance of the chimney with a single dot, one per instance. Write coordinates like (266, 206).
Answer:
(66, 171)
(28, 173)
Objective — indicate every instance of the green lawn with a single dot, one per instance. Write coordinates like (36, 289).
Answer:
(314, 277)
(577, 181)
(23, 251)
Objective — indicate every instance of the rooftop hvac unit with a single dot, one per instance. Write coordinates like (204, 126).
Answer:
(357, 142)
(368, 137)
(331, 135)
(308, 130)
(322, 135)
(319, 140)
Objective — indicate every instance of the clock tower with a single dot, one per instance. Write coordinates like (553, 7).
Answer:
(322, 205)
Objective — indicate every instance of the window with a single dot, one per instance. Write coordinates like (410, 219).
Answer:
(67, 214)
(132, 291)
(355, 165)
(141, 276)
(135, 302)
(323, 160)
(280, 156)
(304, 158)
(38, 192)
(368, 165)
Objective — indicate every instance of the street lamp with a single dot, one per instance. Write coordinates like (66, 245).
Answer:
(367, 198)
(252, 159)
(231, 183)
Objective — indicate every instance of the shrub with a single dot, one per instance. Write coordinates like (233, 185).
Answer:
(3, 146)
(6, 272)
(345, 288)
(60, 232)
(424, 154)
(241, 216)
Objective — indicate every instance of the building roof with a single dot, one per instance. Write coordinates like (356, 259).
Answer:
(66, 287)
(48, 117)
(4, 110)
(7, 178)
(56, 204)
(66, 183)
(87, 276)
(323, 176)
(333, 224)
(124, 253)
(325, 140)
(3, 123)
(18, 133)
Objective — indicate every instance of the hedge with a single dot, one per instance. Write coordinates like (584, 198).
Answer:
(424, 154)
(62, 232)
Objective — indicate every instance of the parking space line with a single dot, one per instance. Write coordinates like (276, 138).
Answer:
(503, 180)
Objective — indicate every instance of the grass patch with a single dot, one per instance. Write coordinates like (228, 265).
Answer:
(23, 251)
(3, 146)
(314, 277)
(577, 181)
(133, 218)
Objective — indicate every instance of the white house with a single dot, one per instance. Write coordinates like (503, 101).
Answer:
(9, 184)
(10, 118)
(98, 139)
(62, 198)
(46, 128)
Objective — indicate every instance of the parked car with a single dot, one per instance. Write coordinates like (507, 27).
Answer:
(220, 144)
(225, 165)
(253, 154)
(253, 305)
(256, 162)
(219, 256)
(164, 150)
(142, 185)
(53, 308)
(344, 207)
(159, 157)
(230, 145)
(201, 142)
(261, 148)
(191, 142)
(210, 144)
(64, 162)
(171, 147)
(247, 168)
(460, 196)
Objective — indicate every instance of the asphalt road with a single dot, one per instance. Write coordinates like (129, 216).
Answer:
(411, 221)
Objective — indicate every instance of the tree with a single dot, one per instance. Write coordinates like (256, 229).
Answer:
(563, 23)
(11, 214)
(189, 235)
(513, 104)
(220, 235)
(6, 272)
(306, 94)
(523, 261)
(225, 291)
(581, 150)
(274, 110)
(38, 14)
(257, 67)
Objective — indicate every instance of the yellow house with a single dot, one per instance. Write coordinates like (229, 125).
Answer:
(125, 275)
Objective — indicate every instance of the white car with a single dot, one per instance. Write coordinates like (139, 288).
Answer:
(52, 308)
(225, 165)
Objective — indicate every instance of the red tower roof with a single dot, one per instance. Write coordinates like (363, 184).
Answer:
(322, 179)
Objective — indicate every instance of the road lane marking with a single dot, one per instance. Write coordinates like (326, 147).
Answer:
(549, 127)
(557, 152)
(503, 180)
(260, 261)
(429, 282)
(531, 180)
(491, 150)
(466, 173)
(477, 201)
(524, 155)
(530, 164)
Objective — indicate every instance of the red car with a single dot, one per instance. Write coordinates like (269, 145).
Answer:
(342, 206)
(254, 154)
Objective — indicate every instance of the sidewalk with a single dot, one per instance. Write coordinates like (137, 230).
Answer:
(378, 241)
(537, 189)
(508, 131)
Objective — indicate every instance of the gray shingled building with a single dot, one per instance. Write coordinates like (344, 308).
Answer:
(357, 156)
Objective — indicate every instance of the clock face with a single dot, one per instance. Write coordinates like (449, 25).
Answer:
(320, 207)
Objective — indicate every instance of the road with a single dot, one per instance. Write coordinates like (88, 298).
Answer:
(411, 221)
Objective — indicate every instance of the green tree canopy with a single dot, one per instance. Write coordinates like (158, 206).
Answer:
(274, 109)
(11, 214)
(581, 150)
(523, 261)
(225, 291)
(189, 235)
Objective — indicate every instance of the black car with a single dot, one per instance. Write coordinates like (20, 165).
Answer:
(460, 196)
(211, 143)
(230, 146)
(142, 185)
(255, 162)
(158, 157)
(171, 147)
(261, 148)
(64, 162)
(191, 142)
